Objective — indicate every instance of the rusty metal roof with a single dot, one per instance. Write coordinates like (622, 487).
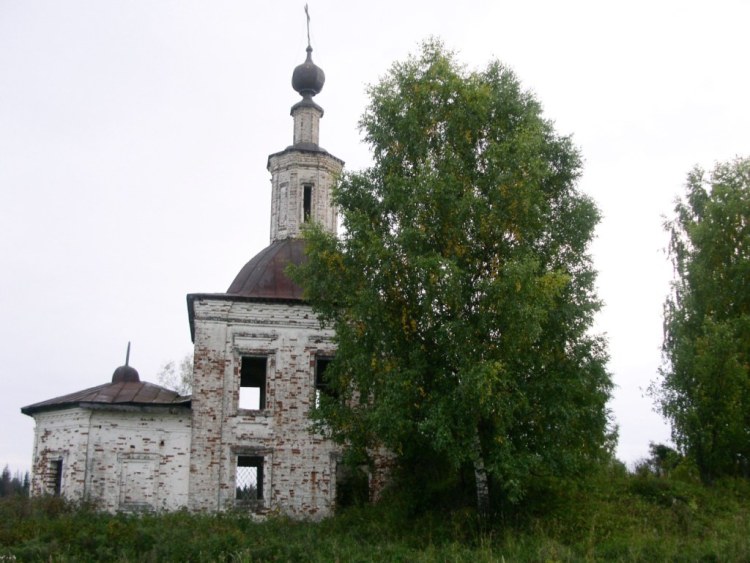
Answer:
(265, 275)
(134, 393)
(263, 278)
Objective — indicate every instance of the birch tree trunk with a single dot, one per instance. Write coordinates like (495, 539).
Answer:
(480, 476)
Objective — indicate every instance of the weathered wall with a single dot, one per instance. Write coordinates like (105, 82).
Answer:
(290, 171)
(140, 459)
(307, 123)
(299, 465)
(60, 435)
(123, 460)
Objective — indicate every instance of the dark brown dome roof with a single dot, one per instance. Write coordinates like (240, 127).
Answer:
(265, 275)
(125, 374)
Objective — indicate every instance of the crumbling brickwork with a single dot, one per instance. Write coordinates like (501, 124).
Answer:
(299, 465)
(256, 349)
(291, 172)
(121, 459)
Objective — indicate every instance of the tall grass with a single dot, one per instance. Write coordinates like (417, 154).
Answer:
(613, 516)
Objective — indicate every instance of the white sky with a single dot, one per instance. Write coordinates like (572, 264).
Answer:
(134, 137)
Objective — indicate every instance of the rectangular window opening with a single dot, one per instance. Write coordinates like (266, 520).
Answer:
(253, 383)
(352, 485)
(249, 478)
(55, 476)
(321, 384)
(307, 202)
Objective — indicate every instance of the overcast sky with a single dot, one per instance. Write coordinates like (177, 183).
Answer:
(134, 137)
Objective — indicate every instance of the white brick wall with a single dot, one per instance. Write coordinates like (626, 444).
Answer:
(290, 171)
(299, 465)
(307, 124)
(123, 460)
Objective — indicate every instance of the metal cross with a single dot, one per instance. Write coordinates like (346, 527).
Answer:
(307, 13)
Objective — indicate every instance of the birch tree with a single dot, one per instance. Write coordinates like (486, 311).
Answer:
(461, 290)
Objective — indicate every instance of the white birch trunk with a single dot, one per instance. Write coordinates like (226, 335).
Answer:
(480, 476)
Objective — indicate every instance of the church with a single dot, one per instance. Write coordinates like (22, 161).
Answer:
(243, 439)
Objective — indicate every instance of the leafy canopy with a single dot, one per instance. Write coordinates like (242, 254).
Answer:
(705, 390)
(461, 291)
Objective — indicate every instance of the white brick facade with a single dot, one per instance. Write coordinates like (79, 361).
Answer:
(291, 171)
(135, 459)
(180, 451)
(299, 465)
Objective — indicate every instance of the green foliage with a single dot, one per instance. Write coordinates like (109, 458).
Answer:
(610, 516)
(662, 461)
(705, 391)
(461, 291)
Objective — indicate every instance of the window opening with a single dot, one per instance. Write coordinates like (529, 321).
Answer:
(321, 383)
(249, 478)
(56, 467)
(352, 485)
(253, 383)
(306, 202)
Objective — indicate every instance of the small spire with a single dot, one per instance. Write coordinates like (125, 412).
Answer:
(126, 374)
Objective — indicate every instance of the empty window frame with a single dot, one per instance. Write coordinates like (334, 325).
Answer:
(55, 476)
(306, 202)
(352, 485)
(249, 478)
(321, 383)
(253, 382)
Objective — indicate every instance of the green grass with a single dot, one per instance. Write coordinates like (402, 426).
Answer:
(611, 517)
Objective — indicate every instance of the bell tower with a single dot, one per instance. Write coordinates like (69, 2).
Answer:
(259, 348)
(303, 174)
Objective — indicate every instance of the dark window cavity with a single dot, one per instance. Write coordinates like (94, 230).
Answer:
(253, 383)
(306, 202)
(321, 383)
(55, 476)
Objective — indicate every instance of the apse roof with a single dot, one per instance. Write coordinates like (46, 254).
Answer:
(125, 389)
(132, 393)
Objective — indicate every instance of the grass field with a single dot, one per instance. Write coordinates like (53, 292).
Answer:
(614, 516)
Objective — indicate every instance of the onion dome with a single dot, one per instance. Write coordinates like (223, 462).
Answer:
(308, 78)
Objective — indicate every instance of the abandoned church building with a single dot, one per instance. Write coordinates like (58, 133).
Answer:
(243, 438)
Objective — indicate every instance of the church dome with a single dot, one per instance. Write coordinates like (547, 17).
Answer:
(125, 374)
(308, 78)
(264, 276)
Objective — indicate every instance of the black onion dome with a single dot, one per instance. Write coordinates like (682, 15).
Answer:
(308, 78)
(265, 275)
(125, 374)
